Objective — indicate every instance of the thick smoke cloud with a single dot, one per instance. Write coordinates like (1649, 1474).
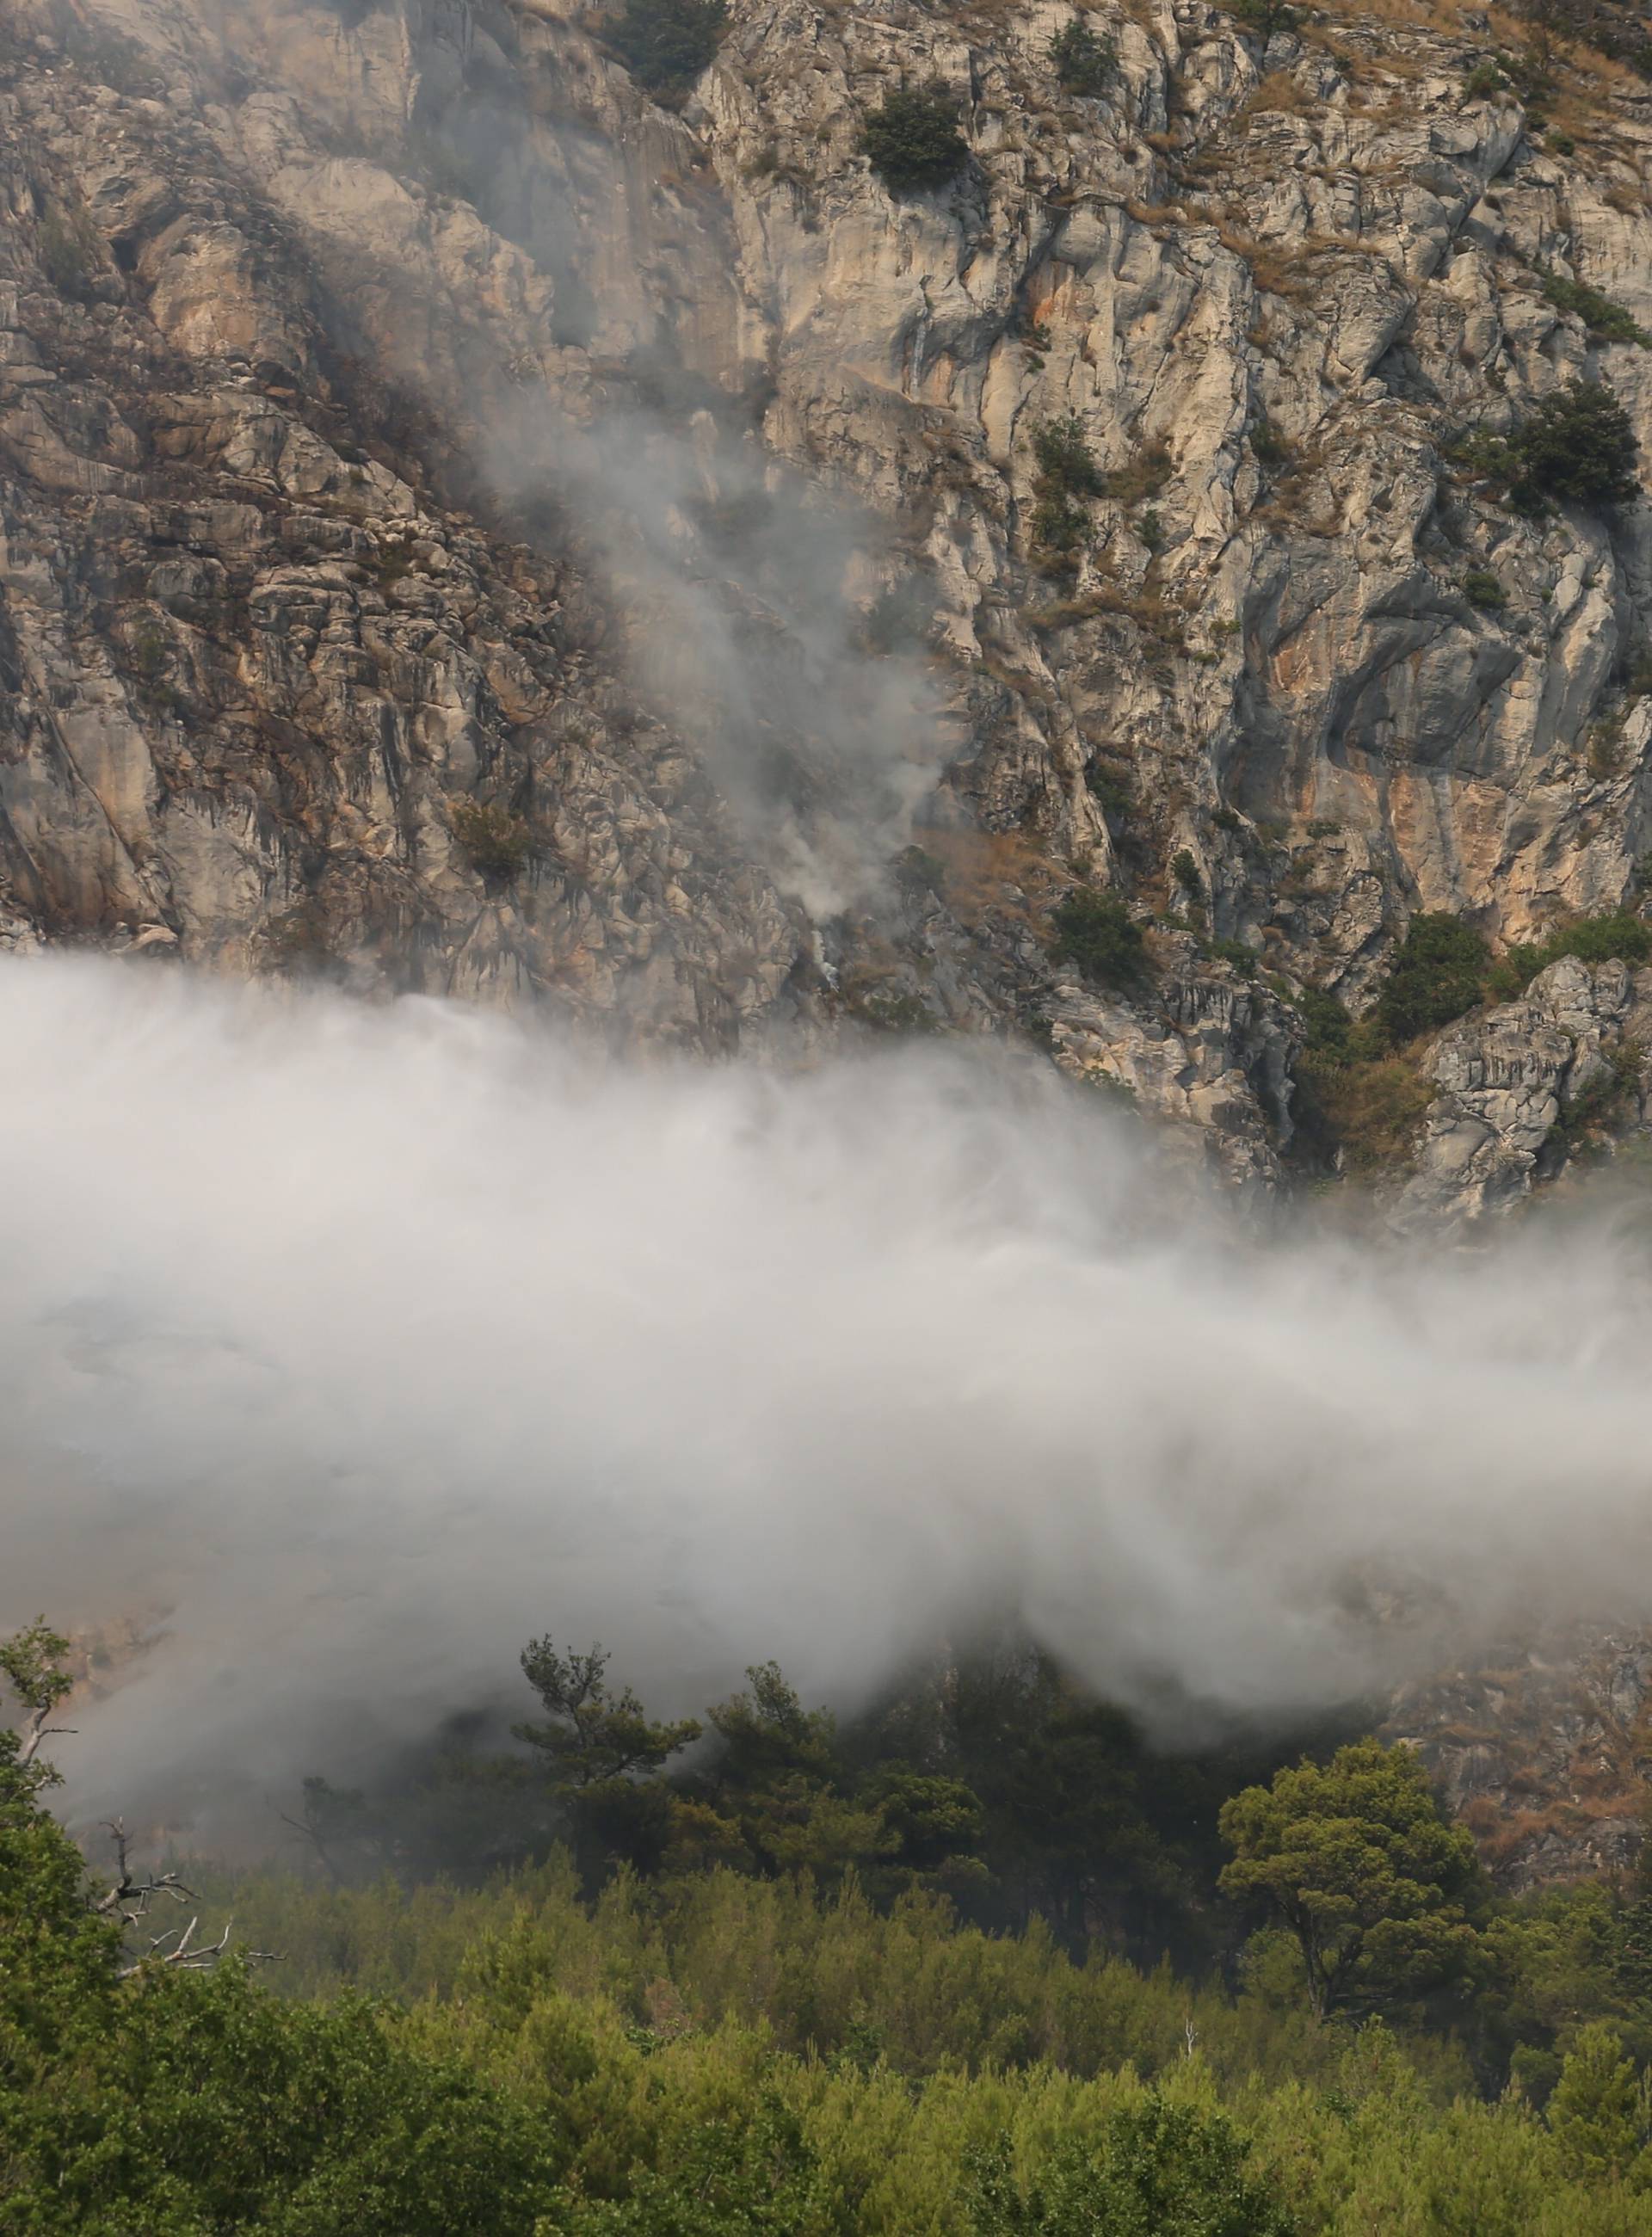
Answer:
(344, 1349)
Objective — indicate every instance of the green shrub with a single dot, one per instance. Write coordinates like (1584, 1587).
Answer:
(1158, 2169)
(1096, 932)
(1237, 954)
(1184, 870)
(1228, 819)
(913, 142)
(1066, 462)
(1608, 321)
(1483, 80)
(1439, 972)
(1268, 445)
(497, 844)
(69, 254)
(666, 43)
(1066, 474)
(1058, 526)
(1111, 791)
(1328, 1024)
(1616, 934)
(1085, 63)
(1482, 589)
(1578, 445)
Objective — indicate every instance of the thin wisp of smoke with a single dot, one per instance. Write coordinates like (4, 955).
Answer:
(344, 1349)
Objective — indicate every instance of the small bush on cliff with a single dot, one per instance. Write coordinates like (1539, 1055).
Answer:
(913, 142)
(496, 844)
(1067, 474)
(1085, 64)
(1096, 932)
(1606, 320)
(1439, 972)
(666, 43)
(1616, 934)
(1578, 445)
(1066, 462)
(1482, 589)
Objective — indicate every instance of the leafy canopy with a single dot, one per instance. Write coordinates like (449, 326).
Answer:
(1578, 445)
(1355, 1859)
(1158, 2169)
(912, 140)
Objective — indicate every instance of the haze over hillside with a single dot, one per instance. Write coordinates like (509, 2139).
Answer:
(1072, 553)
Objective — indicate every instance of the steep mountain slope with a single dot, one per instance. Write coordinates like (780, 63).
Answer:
(469, 526)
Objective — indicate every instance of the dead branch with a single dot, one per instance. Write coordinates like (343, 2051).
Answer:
(129, 1889)
(184, 1956)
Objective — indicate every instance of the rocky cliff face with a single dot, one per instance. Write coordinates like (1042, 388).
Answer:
(1544, 1754)
(387, 391)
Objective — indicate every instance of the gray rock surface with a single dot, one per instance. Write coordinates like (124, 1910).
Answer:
(389, 393)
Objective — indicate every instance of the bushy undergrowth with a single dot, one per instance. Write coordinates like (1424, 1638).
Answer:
(714, 2051)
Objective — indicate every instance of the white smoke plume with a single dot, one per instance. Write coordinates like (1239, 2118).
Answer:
(346, 1348)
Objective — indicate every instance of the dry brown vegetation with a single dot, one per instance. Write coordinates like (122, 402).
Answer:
(993, 873)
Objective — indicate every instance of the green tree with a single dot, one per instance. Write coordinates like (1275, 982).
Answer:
(1596, 2114)
(778, 1776)
(1264, 18)
(1086, 63)
(912, 140)
(1160, 2169)
(1578, 445)
(1355, 1859)
(1439, 972)
(606, 1756)
(594, 1735)
(1096, 932)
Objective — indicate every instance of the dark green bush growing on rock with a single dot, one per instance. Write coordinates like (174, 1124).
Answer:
(1085, 64)
(1066, 462)
(1578, 445)
(1617, 935)
(1067, 473)
(1482, 589)
(913, 142)
(1608, 321)
(1439, 973)
(666, 43)
(1096, 932)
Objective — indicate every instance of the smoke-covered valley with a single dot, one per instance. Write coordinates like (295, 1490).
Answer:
(345, 1348)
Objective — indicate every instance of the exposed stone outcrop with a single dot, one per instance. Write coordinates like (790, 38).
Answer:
(1522, 1085)
(382, 387)
(1544, 1752)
